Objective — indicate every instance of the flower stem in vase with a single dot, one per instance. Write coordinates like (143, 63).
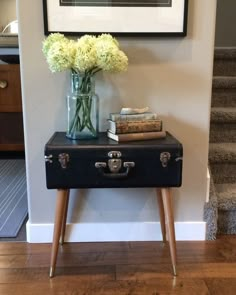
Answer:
(75, 124)
(82, 108)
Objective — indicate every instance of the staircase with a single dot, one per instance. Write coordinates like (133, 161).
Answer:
(222, 150)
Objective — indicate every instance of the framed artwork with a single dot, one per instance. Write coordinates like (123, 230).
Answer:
(117, 17)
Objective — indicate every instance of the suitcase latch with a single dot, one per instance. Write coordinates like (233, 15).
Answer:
(63, 159)
(164, 158)
(114, 154)
(48, 158)
(114, 163)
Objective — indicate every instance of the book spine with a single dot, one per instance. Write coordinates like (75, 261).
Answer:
(142, 136)
(137, 117)
(137, 126)
(137, 136)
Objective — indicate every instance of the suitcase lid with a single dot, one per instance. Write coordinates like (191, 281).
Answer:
(60, 141)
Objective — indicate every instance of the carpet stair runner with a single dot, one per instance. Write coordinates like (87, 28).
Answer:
(220, 212)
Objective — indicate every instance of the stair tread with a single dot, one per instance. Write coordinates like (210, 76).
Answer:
(224, 82)
(223, 114)
(224, 109)
(223, 97)
(226, 196)
(225, 53)
(222, 152)
(225, 62)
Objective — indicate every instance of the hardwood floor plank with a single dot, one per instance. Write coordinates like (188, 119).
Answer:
(186, 251)
(83, 259)
(14, 248)
(208, 270)
(157, 287)
(203, 247)
(39, 255)
(39, 248)
(222, 286)
(13, 261)
(78, 274)
(185, 271)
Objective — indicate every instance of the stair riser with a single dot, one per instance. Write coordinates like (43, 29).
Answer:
(225, 67)
(224, 173)
(222, 132)
(227, 222)
(223, 98)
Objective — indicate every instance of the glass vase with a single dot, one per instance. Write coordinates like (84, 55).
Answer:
(82, 107)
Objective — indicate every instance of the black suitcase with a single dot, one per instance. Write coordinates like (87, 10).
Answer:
(105, 163)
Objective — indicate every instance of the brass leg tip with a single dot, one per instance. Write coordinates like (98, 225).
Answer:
(61, 241)
(51, 273)
(174, 270)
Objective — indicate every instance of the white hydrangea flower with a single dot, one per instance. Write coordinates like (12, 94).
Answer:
(109, 57)
(87, 41)
(107, 38)
(51, 39)
(85, 55)
(60, 56)
(88, 55)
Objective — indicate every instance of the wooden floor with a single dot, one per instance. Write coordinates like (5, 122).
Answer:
(119, 268)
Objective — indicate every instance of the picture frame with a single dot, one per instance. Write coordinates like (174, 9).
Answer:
(116, 17)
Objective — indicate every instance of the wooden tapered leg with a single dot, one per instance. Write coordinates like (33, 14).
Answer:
(167, 200)
(161, 213)
(63, 228)
(60, 209)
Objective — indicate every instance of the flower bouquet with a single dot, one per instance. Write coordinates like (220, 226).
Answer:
(84, 57)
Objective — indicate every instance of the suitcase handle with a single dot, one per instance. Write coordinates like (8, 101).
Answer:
(113, 175)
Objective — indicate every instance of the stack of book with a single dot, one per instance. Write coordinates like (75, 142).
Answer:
(135, 127)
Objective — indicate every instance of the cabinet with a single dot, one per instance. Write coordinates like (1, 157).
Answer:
(11, 120)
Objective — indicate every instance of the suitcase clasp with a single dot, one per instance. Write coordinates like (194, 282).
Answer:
(114, 154)
(114, 165)
(164, 158)
(48, 158)
(63, 159)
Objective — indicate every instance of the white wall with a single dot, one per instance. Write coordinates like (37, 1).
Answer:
(7, 12)
(173, 77)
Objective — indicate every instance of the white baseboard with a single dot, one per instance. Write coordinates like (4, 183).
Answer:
(113, 232)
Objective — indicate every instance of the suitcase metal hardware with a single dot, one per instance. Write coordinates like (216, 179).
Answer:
(114, 154)
(164, 158)
(129, 164)
(63, 159)
(178, 159)
(100, 165)
(114, 165)
(48, 158)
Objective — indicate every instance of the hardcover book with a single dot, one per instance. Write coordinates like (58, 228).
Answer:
(136, 136)
(134, 117)
(134, 126)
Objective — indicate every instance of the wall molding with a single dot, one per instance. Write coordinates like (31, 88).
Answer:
(113, 232)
